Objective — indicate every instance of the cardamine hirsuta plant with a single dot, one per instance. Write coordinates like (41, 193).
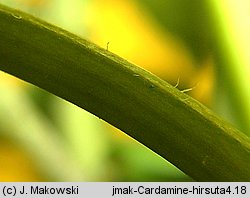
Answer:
(150, 110)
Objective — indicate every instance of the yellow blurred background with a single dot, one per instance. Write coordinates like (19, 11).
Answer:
(44, 138)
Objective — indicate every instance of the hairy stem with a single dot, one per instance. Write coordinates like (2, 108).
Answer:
(147, 108)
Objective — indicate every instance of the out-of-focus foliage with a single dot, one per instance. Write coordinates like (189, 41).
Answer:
(188, 20)
(175, 38)
(16, 165)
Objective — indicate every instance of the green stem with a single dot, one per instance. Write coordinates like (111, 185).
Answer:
(147, 108)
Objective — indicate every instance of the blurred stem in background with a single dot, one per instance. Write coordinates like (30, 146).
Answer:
(36, 135)
(232, 20)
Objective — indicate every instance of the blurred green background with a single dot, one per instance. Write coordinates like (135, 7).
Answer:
(205, 44)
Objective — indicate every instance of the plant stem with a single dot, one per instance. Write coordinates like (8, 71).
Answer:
(147, 108)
